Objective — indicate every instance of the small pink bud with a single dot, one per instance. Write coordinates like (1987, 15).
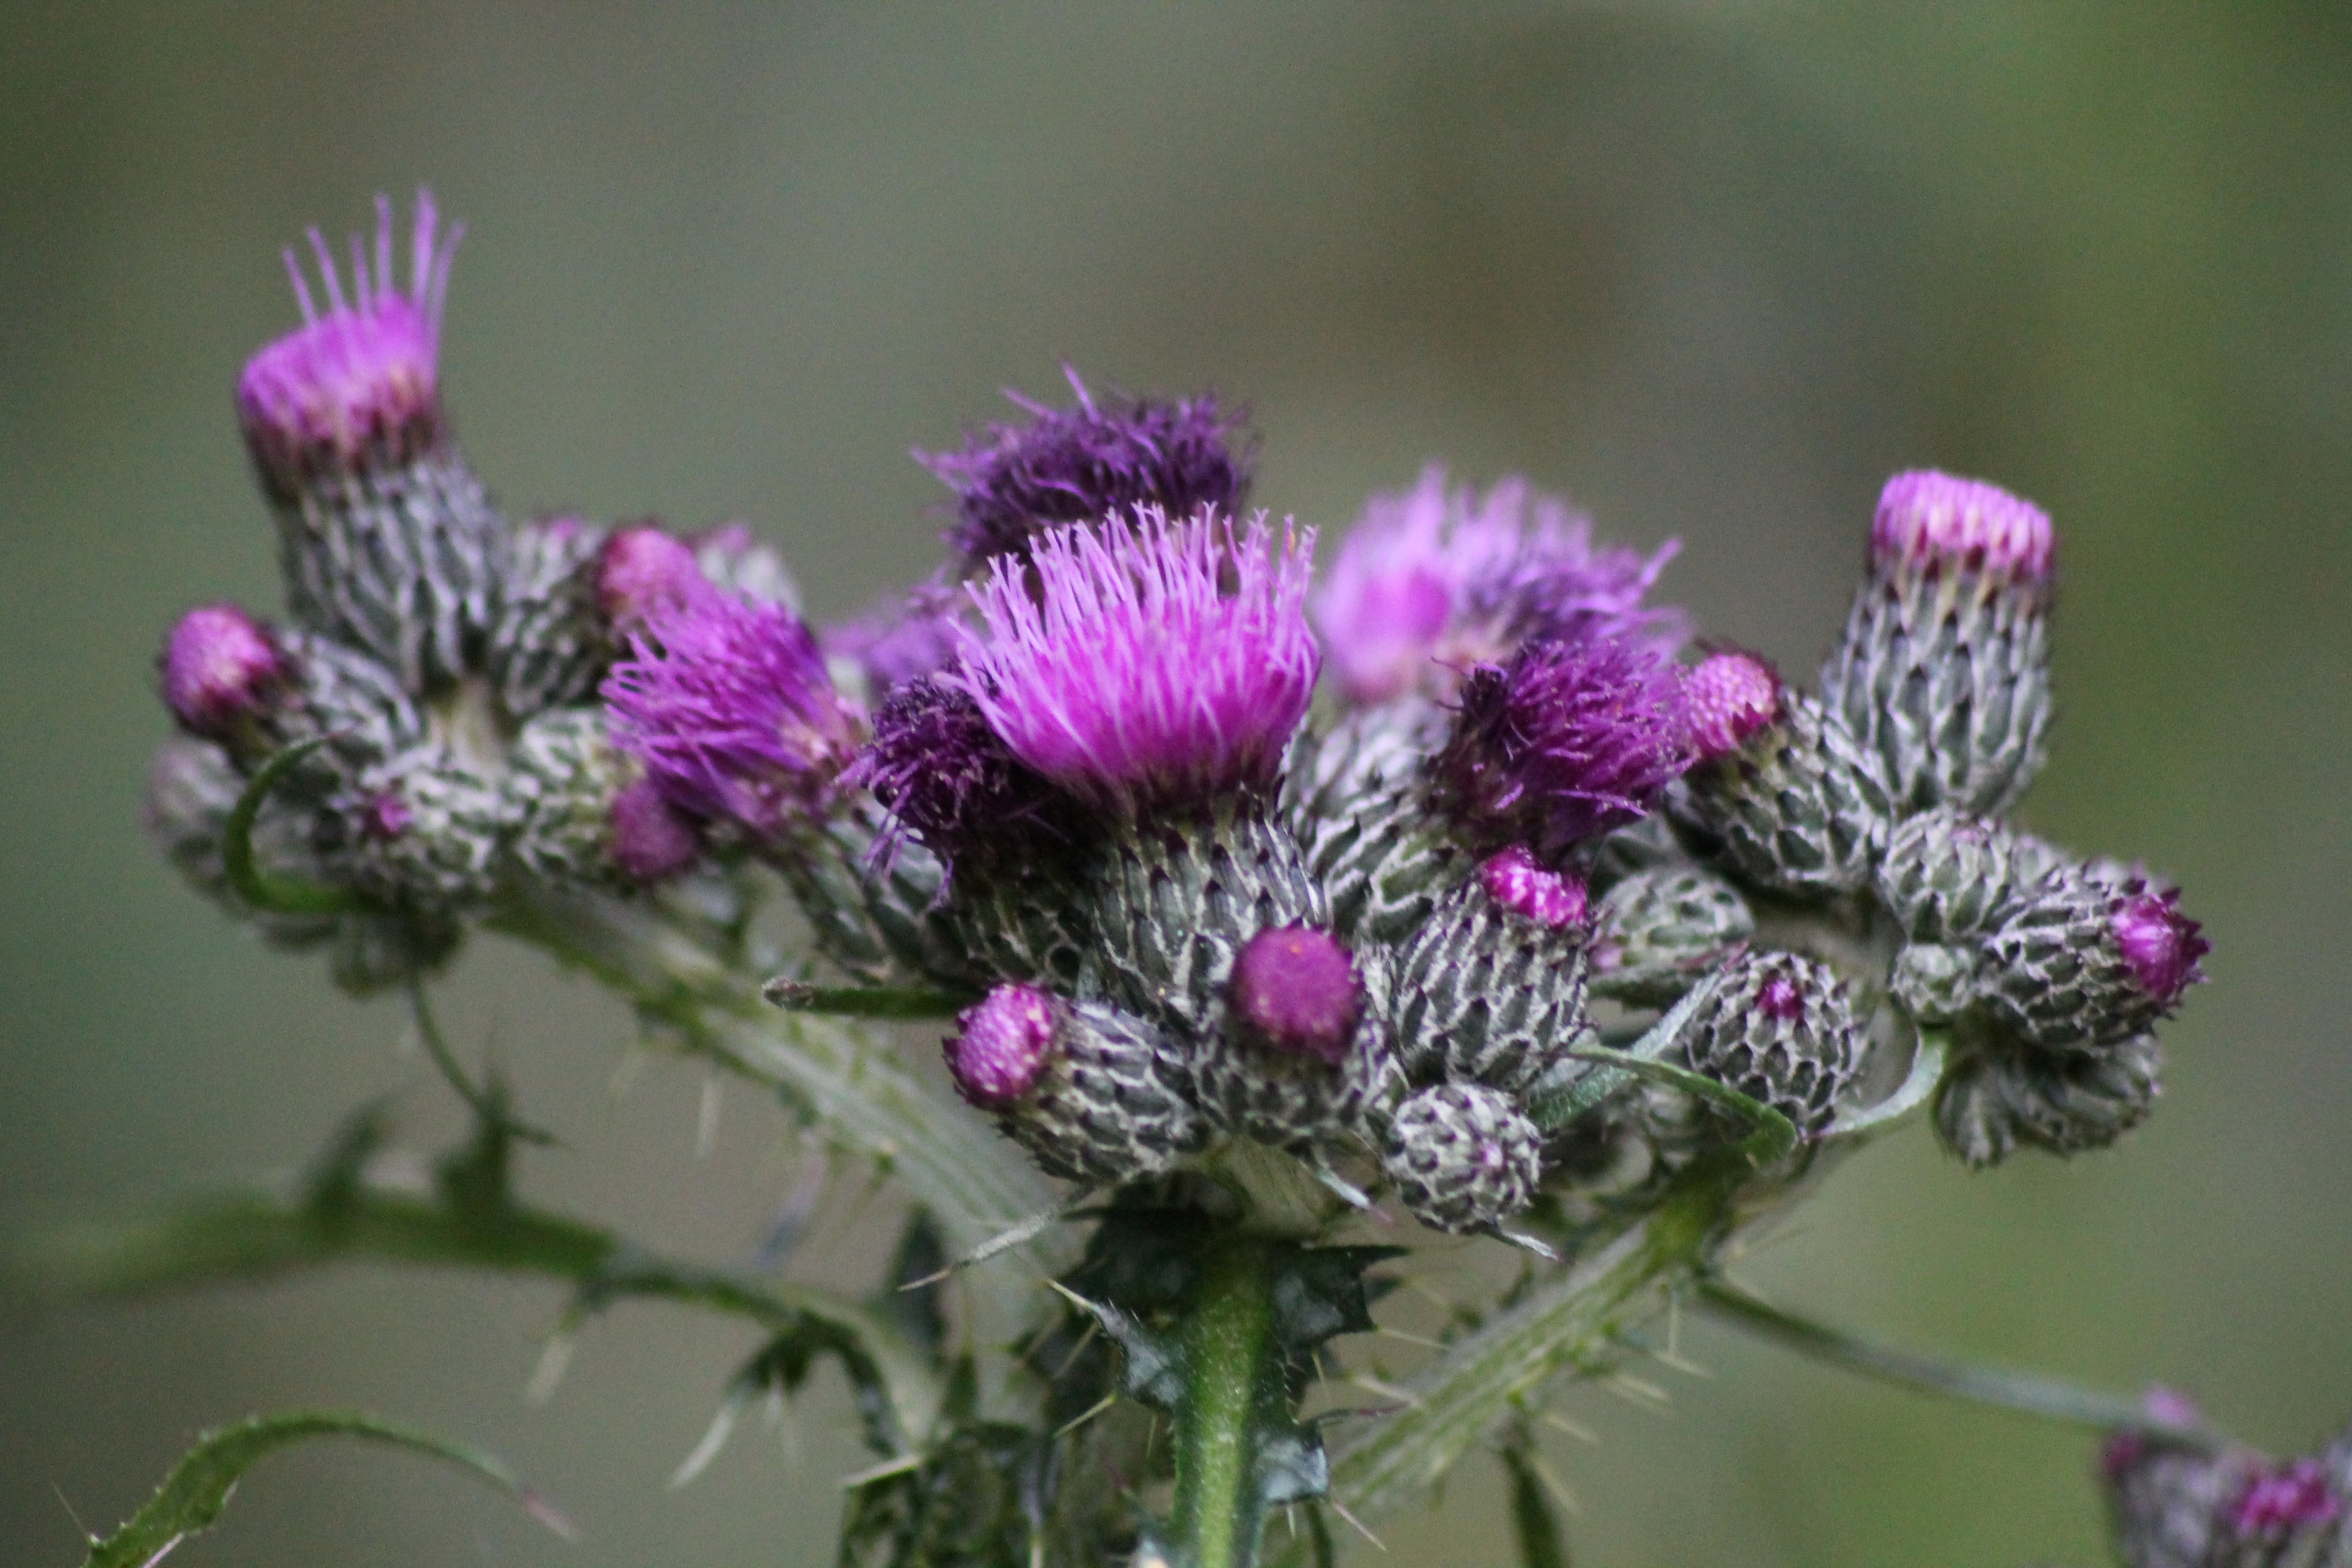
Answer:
(1513, 879)
(2160, 945)
(221, 669)
(1731, 696)
(1780, 999)
(2278, 1500)
(641, 570)
(652, 839)
(1296, 989)
(1002, 1044)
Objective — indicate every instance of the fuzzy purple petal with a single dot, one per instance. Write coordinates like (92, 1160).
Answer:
(359, 377)
(947, 780)
(729, 707)
(1078, 465)
(1149, 660)
(1440, 577)
(1567, 742)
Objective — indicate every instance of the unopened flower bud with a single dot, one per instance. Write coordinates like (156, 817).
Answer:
(1946, 875)
(1294, 1058)
(2167, 1500)
(1462, 1157)
(1780, 1029)
(1094, 1094)
(641, 572)
(1732, 696)
(225, 676)
(1659, 929)
(1943, 668)
(1934, 983)
(2001, 1093)
(1796, 806)
(2081, 959)
(583, 812)
(551, 643)
(1491, 989)
(388, 541)
(420, 830)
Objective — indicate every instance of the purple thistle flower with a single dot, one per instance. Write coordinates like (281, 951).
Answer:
(1147, 660)
(900, 638)
(358, 381)
(1551, 898)
(2276, 1501)
(1296, 989)
(1930, 522)
(1566, 742)
(1731, 695)
(945, 777)
(222, 671)
(729, 707)
(2160, 944)
(1002, 1044)
(652, 839)
(1014, 482)
(1437, 578)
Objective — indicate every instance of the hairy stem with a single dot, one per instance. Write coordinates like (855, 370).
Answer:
(1227, 1344)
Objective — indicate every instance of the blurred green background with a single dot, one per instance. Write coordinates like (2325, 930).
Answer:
(1715, 269)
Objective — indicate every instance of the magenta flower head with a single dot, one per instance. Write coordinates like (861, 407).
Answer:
(1147, 661)
(357, 384)
(1934, 524)
(1567, 742)
(1078, 465)
(1731, 695)
(1436, 578)
(1296, 989)
(222, 672)
(1002, 1044)
(727, 706)
(947, 779)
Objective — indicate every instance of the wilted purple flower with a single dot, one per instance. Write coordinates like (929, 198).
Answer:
(222, 671)
(1013, 483)
(900, 638)
(1296, 989)
(1565, 743)
(729, 707)
(1147, 660)
(1731, 695)
(1929, 522)
(358, 381)
(945, 777)
(1002, 1044)
(1437, 578)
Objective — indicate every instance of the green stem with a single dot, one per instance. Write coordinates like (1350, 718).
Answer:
(1227, 1344)
(485, 1103)
(2006, 1388)
(897, 1002)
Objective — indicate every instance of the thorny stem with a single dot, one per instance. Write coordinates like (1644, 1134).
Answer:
(1227, 1345)
(485, 1103)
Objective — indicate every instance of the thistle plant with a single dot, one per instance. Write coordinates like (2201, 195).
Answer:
(1188, 938)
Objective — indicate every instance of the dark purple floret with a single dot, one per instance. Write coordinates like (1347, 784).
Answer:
(1567, 742)
(2286, 1499)
(947, 779)
(729, 707)
(1077, 465)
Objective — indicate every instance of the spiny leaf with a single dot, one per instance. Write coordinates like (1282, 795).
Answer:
(1774, 1134)
(193, 1494)
(1556, 1109)
(1926, 1070)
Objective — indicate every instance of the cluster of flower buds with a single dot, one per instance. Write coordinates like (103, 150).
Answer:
(1080, 772)
(2174, 1505)
(443, 668)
